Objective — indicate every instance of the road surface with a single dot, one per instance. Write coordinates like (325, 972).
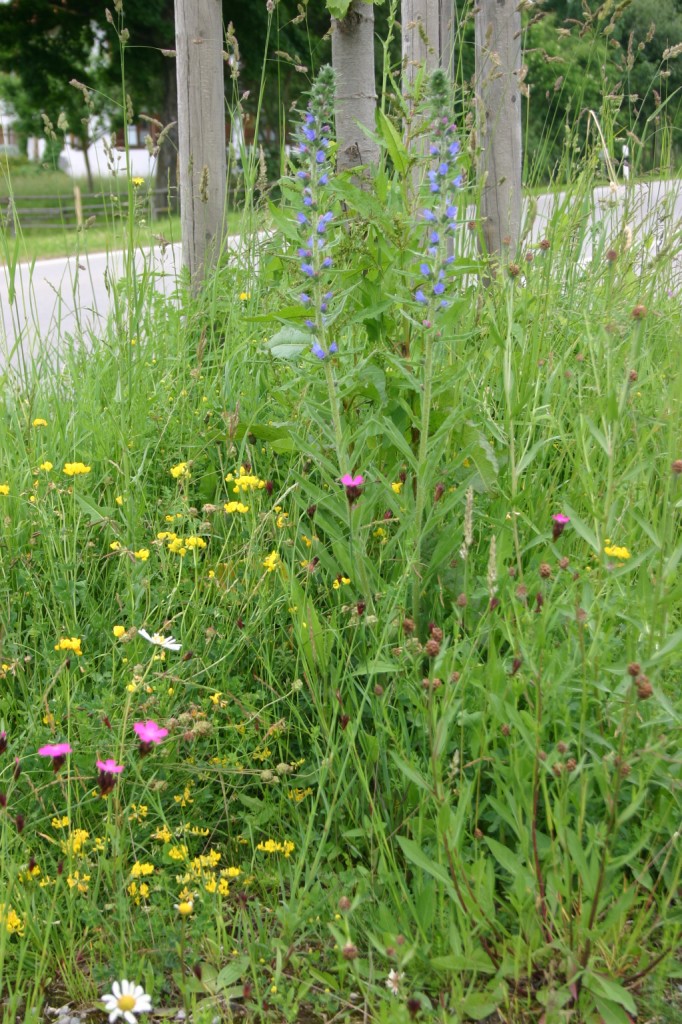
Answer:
(71, 298)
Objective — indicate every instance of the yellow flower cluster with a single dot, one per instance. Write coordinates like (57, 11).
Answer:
(142, 555)
(10, 920)
(202, 870)
(235, 506)
(274, 846)
(340, 580)
(181, 545)
(119, 631)
(139, 892)
(141, 868)
(244, 481)
(46, 466)
(76, 469)
(39, 422)
(62, 822)
(613, 551)
(180, 471)
(272, 561)
(4, 489)
(299, 794)
(76, 880)
(74, 844)
(69, 643)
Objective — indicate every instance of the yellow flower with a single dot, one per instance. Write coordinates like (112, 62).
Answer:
(79, 881)
(76, 469)
(4, 489)
(195, 542)
(119, 497)
(163, 834)
(340, 580)
(178, 852)
(215, 697)
(136, 182)
(119, 631)
(62, 822)
(180, 471)
(141, 868)
(244, 296)
(45, 466)
(272, 561)
(10, 920)
(39, 422)
(397, 487)
(273, 846)
(614, 551)
(115, 545)
(223, 887)
(184, 908)
(235, 506)
(72, 643)
(142, 555)
(282, 520)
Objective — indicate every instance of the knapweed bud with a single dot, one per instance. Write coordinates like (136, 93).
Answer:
(559, 523)
(350, 951)
(432, 648)
(545, 570)
(677, 467)
(3, 742)
(639, 312)
(344, 904)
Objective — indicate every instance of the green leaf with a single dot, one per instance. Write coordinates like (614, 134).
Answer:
(289, 343)
(283, 223)
(97, 515)
(610, 990)
(583, 530)
(394, 144)
(411, 773)
(232, 972)
(508, 860)
(479, 450)
(416, 856)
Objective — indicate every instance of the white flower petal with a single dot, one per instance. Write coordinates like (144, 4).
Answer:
(143, 633)
(109, 1002)
(114, 1016)
(130, 1016)
(116, 989)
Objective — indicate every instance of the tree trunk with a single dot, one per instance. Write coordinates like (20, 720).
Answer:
(498, 105)
(167, 159)
(428, 38)
(356, 98)
(201, 131)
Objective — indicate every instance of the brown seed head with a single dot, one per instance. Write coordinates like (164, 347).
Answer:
(639, 312)
(563, 563)
(545, 570)
(544, 244)
(344, 904)
(432, 648)
(461, 601)
(677, 467)
(634, 668)
(350, 951)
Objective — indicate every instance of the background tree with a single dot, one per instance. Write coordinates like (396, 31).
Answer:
(356, 97)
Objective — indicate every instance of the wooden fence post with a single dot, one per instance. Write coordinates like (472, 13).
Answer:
(498, 103)
(201, 130)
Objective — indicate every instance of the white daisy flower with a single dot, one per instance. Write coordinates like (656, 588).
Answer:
(125, 1000)
(393, 981)
(169, 643)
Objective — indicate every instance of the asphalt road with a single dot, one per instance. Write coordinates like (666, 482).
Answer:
(72, 298)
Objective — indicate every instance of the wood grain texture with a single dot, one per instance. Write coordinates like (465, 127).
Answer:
(201, 131)
(498, 106)
(428, 37)
(356, 98)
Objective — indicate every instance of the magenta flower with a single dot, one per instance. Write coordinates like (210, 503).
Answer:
(108, 770)
(58, 752)
(110, 767)
(149, 733)
(353, 485)
(559, 521)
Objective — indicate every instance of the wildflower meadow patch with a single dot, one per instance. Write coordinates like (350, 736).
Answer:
(340, 681)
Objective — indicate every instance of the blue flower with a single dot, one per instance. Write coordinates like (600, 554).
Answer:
(438, 288)
(301, 217)
(420, 297)
(320, 156)
(428, 215)
(308, 269)
(305, 298)
(318, 351)
(425, 269)
(443, 169)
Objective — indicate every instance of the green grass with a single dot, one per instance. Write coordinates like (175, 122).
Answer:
(38, 244)
(415, 729)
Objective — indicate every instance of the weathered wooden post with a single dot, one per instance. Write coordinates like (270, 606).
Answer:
(498, 103)
(356, 97)
(427, 37)
(201, 131)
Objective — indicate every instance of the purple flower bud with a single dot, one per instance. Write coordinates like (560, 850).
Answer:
(428, 215)
(320, 156)
(420, 297)
(333, 348)
(303, 175)
(434, 238)
(310, 134)
(305, 298)
(318, 351)
(323, 179)
(443, 169)
(301, 217)
(434, 188)
(453, 148)
(456, 182)
(425, 269)
(308, 269)
(433, 150)
(327, 262)
(451, 211)
(438, 288)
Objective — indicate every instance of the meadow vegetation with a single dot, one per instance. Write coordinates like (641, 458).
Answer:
(340, 614)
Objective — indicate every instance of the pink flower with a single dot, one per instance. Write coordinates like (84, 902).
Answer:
(58, 752)
(148, 733)
(353, 485)
(559, 522)
(108, 770)
(55, 750)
